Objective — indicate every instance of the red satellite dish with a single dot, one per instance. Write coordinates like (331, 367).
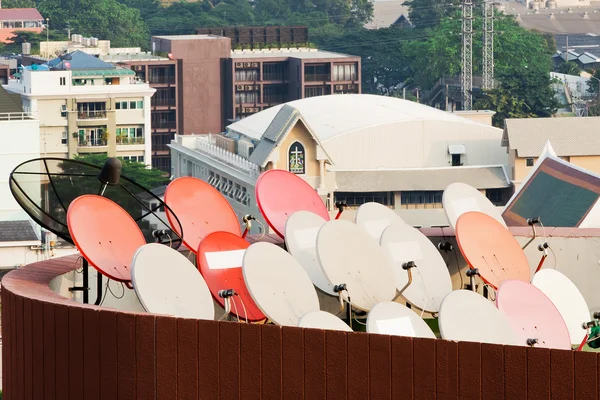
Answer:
(201, 210)
(491, 248)
(105, 235)
(220, 262)
(280, 193)
(67, 64)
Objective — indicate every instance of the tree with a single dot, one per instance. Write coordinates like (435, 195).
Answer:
(14, 43)
(570, 68)
(18, 4)
(593, 83)
(106, 19)
(524, 94)
(428, 13)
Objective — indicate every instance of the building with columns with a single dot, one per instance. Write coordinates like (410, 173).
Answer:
(353, 148)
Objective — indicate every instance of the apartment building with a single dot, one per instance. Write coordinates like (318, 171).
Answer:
(19, 19)
(85, 105)
(258, 79)
(163, 75)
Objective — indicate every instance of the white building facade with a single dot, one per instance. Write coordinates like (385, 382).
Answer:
(88, 111)
(352, 149)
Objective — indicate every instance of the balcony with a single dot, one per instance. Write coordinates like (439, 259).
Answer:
(317, 77)
(90, 142)
(91, 114)
(130, 141)
(275, 76)
(163, 102)
(165, 79)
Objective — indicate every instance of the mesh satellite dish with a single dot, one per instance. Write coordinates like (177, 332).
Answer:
(280, 193)
(105, 235)
(166, 282)
(278, 284)
(422, 276)
(490, 249)
(459, 198)
(533, 317)
(45, 187)
(220, 256)
(567, 299)
(466, 316)
(301, 230)
(199, 209)
(390, 318)
(323, 320)
(355, 264)
(375, 217)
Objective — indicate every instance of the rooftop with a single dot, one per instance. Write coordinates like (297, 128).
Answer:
(10, 102)
(301, 53)
(81, 61)
(573, 20)
(17, 14)
(116, 58)
(333, 115)
(386, 13)
(569, 136)
(188, 37)
(17, 231)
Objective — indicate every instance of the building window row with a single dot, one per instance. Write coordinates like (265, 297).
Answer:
(345, 72)
(355, 199)
(131, 105)
(21, 24)
(139, 159)
(90, 110)
(228, 188)
(421, 197)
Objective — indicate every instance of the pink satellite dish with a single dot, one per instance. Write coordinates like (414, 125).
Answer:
(280, 193)
(532, 316)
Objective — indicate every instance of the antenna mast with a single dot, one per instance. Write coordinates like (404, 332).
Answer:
(488, 45)
(467, 55)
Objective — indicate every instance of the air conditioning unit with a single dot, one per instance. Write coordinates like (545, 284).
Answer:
(255, 65)
(247, 110)
(245, 148)
(247, 65)
(138, 67)
(339, 87)
(249, 87)
(351, 87)
(239, 87)
(239, 65)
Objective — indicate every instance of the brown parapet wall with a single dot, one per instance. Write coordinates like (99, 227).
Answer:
(54, 348)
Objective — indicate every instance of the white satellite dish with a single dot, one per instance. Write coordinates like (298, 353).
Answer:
(391, 318)
(459, 198)
(323, 320)
(347, 255)
(431, 280)
(375, 217)
(166, 282)
(466, 316)
(567, 299)
(278, 284)
(301, 230)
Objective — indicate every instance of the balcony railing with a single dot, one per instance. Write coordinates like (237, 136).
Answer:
(274, 76)
(84, 142)
(91, 114)
(164, 125)
(162, 79)
(130, 141)
(317, 77)
(16, 116)
(162, 102)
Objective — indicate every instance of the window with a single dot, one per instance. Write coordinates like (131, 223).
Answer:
(456, 160)
(63, 110)
(496, 196)
(529, 162)
(139, 105)
(121, 105)
(422, 197)
(245, 197)
(358, 198)
(296, 158)
(64, 138)
(133, 158)
(63, 81)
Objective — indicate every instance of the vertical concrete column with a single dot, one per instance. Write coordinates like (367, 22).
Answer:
(322, 174)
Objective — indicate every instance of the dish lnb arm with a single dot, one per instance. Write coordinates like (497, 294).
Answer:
(247, 220)
(407, 266)
(225, 293)
(532, 342)
(532, 221)
(340, 207)
(472, 273)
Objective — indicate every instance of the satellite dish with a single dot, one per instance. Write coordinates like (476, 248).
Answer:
(532, 315)
(567, 299)
(280, 193)
(347, 255)
(431, 280)
(45, 187)
(199, 209)
(166, 282)
(375, 217)
(105, 235)
(466, 316)
(278, 284)
(391, 318)
(301, 230)
(459, 198)
(491, 249)
(323, 320)
(220, 256)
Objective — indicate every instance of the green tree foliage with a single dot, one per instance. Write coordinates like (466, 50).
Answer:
(521, 94)
(105, 19)
(136, 171)
(18, 4)
(429, 13)
(569, 68)
(14, 43)
(593, 83)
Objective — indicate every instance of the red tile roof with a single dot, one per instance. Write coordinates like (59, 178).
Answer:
(16, 14)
